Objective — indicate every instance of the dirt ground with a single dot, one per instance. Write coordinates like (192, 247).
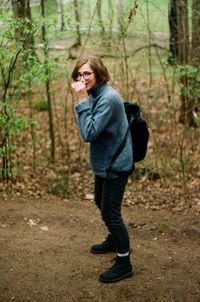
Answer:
(44, 254)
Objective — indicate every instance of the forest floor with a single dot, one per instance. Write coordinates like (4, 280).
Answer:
(45, 256)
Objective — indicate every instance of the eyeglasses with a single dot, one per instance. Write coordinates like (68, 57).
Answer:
(85, 75)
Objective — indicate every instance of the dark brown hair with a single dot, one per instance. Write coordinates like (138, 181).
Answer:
(96, 65)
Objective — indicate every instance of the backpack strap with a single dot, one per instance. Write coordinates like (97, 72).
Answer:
(121, 147)
(123, 143)
(117, 153)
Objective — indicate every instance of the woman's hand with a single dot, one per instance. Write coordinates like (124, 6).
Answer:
(80, 90)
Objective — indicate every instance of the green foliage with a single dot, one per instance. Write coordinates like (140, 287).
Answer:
(36, 71)
(12, 124)
(19, 66)
(192, 74)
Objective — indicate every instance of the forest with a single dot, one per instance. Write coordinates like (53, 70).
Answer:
(47, 215)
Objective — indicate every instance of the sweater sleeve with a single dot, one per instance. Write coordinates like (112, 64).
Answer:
(92, 123)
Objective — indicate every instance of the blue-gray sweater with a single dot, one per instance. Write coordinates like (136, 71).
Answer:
(102, 122)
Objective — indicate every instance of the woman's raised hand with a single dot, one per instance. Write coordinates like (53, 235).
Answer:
(80, 90)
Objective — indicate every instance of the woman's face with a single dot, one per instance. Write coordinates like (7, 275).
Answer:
(87, 76)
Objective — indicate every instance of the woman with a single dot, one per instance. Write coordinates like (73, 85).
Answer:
(102, 122)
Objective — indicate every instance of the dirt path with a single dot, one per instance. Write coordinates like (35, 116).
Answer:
(44, 254)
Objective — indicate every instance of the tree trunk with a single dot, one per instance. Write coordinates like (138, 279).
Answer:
(47, 82)
(5, 111)
(183, 31)
(195, 52)
(195, 60)
(78, 22)
(61, 13)
(120, 10)
(173, 27)
(100, 19)
(111, 17)
(22, 13)
(183, 58)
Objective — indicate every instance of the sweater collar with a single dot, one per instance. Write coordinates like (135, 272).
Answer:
(95, 91)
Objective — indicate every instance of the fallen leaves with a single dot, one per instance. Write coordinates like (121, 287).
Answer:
(34, 222)
(31, 222)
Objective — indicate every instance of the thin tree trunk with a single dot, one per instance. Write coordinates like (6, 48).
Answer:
(100, 19)
(47, 83)
(78, 22)
(195, 53)
(5, 137)
(183, 31)
(111, 17)
(183, 57)
(61, 13)
(195, 61)
(173, 26)
(149, 48)
(120, 10)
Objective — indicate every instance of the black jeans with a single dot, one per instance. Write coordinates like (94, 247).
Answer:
(108, 198)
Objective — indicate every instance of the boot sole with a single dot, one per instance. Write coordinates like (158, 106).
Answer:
(102, 252)
(127, 275)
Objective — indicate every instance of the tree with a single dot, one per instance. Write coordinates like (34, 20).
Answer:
(195, 53)
(100, 19)
(183, 58)
(24, 33)
(111, 18)
(12, 123)
(61, 13)
(195, 59)
(183, 31)
(8, 120)
(120, 11)
(189, 60)
(47, 83)
(78, 21)
(173, 27)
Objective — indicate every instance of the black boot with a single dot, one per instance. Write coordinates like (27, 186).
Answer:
(106, 246)
(120, 270)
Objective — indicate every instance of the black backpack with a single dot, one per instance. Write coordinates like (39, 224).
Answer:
(139, 133)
